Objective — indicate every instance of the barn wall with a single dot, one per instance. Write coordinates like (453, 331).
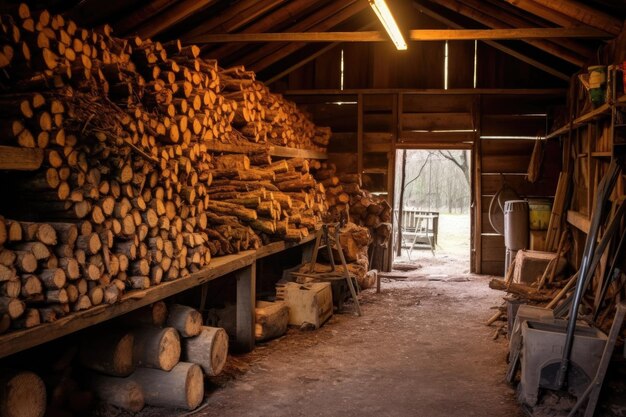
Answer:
(505, 125)
(380, 65)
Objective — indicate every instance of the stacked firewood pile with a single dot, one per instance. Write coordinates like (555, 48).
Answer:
(156, 356)
(129, 193)
(344, 194)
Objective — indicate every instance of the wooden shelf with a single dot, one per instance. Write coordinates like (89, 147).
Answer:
(578, 220)
(595, 114)
(20, 159)
(603, 154)
(281, 151)
(20, 340)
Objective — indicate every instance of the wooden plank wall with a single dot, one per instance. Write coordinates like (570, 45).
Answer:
(422, 120)
(505, 160)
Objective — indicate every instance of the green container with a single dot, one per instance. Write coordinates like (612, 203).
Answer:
(597, 84)
(539, 211)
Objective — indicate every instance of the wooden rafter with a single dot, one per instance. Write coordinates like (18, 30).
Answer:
(495, 19)
(414, 35)
(172, 15)
(303, 62)
(135, 18)
(520, 18)
(306, 24)
(309, 58)
(91, 12)
(269, 22)
(233, 18)
(524, 58)
(327, 24)
(544, 12)
(585, 14)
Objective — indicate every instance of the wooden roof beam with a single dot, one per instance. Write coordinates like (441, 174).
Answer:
(327, 24)
(308, 59)
(304, 25)
(285, 13)
(516, 17)
(414, 35)
(140, 15)
(585, 14)
(178, 12)
(233, 18)
(485, 16)
(524, 58)
(546, 13)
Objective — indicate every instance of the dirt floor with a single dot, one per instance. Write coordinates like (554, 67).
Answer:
(420, 349)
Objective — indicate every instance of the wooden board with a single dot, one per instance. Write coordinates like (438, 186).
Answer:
(513, 125)
(493, 247)
(436, 121)
(511, 163)
(520, 104)
(491, 183)
(436, 103)
(492, 268)
(21, 159)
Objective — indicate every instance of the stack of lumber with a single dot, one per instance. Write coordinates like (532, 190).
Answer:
(129, 193)
(344, 194)
(155, 356)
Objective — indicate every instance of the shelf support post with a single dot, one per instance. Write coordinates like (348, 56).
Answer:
(246, 303)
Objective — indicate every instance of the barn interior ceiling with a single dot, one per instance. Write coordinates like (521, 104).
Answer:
(197, 21)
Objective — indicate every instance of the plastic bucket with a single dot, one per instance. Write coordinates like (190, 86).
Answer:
(516, 224)
(539, 211)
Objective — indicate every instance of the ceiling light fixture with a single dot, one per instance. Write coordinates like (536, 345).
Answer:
(386, 18)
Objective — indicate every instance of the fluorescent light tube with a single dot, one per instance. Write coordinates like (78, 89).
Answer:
(386, 18)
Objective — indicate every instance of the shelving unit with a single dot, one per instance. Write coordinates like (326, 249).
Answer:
(241, 264)
(588, 142)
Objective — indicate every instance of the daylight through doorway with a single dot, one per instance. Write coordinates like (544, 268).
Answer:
(432, 206)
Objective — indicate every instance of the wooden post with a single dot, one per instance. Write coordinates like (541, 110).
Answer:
(359, 133)
(307, 251)
(400, 203)
(477, 191)
(246, 300)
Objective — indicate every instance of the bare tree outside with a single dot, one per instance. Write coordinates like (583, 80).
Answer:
(434, 184)
(437, 180)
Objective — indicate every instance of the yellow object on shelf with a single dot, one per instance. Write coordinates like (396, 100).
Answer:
(539, 213)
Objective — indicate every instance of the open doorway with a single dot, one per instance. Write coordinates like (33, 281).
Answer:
(432, 208)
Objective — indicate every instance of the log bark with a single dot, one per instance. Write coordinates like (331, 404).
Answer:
(157, 348)
(182, 387)
(209, 349)
(120, 392)
(186, 320)
(109, 352)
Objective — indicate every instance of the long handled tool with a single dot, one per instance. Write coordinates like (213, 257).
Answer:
(593, 390)
(604, 188)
